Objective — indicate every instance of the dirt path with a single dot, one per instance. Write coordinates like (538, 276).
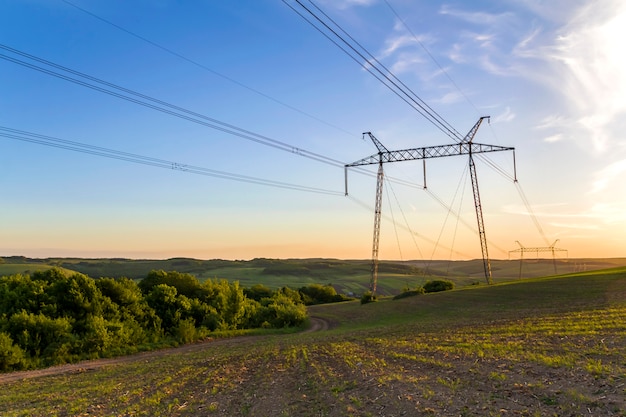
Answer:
(317, 324)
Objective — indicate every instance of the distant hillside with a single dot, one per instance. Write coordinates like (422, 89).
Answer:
(347, 276)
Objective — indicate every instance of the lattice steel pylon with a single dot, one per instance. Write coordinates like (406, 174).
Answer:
(464, 147)
(522, 249)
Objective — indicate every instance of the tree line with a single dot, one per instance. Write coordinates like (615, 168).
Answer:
(52, 317)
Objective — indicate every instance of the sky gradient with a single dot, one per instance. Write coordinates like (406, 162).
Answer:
(552, 76)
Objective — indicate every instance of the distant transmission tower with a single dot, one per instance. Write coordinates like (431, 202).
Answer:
(522, 250)
(464, 147)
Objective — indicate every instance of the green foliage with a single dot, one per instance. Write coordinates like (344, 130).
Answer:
(258, 292)
(11, 355)
(283, 311)
(54, 316)
(410, 293)
(186, 331)
(20, 292)
(438, 285)
(368, 297)
(169, 306)
(185, 284)
(39, 335)
(320, 294)
(296, 296)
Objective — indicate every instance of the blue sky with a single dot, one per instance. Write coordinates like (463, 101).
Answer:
(552, 76)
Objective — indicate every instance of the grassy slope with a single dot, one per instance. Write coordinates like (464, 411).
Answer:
(538, 347)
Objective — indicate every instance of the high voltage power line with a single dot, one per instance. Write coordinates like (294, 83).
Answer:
(204, 67)
(363, 57)
(338, 36)
(168, 108)
(159, 105)
(155, 162)
(355, 50)
(421, 44)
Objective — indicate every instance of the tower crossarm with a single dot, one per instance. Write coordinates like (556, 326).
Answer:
(427, 152)
(538, 249)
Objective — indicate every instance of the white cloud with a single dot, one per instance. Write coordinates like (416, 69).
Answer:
(589, 69)
(456, 54)
(478, 18)
(554, 121)
(523, 47)
(450, 98)
(346, 4)
(397, 42)
(554, 138)
(575, 47)
(405, 50)
(506, 116)
(406, 62)
(608, 175)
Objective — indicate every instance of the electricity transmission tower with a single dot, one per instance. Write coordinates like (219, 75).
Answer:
(522, 249)
(464, 147)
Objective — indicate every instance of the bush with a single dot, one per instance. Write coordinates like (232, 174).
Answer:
(320, 294)
(11, 356)
(438, 285)
(368, 297)
(39, 335)
(56, 317)
(282, 311)
(186, 331)
(410, 293)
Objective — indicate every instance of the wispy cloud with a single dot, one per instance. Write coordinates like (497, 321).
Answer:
(506, 116)
(405, 50)
(406, 62)
(573, 47)
(588, 68)
(394, 43)
(478, 18)
(609, 174)
(554, 138)
(553, 121)
(346, 4)
(450, 98)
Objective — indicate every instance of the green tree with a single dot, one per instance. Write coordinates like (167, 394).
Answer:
(12, 357)
(234, 308)
(76, 296)
(282, 311)
(39, 335)
(169, 306)
(20, 292)
(229, 302)
(320, 294)
(130, 301)
(258, 292)
(185, 284)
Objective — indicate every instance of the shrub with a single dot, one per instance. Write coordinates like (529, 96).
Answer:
(284, 312)
(320, 294)
(368, 297)
(11, 356)
(186, 332)
(410, 293)
(438, 285)
(39, 335)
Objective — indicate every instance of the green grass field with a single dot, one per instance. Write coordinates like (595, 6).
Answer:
(540, 347)
(347, 276)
